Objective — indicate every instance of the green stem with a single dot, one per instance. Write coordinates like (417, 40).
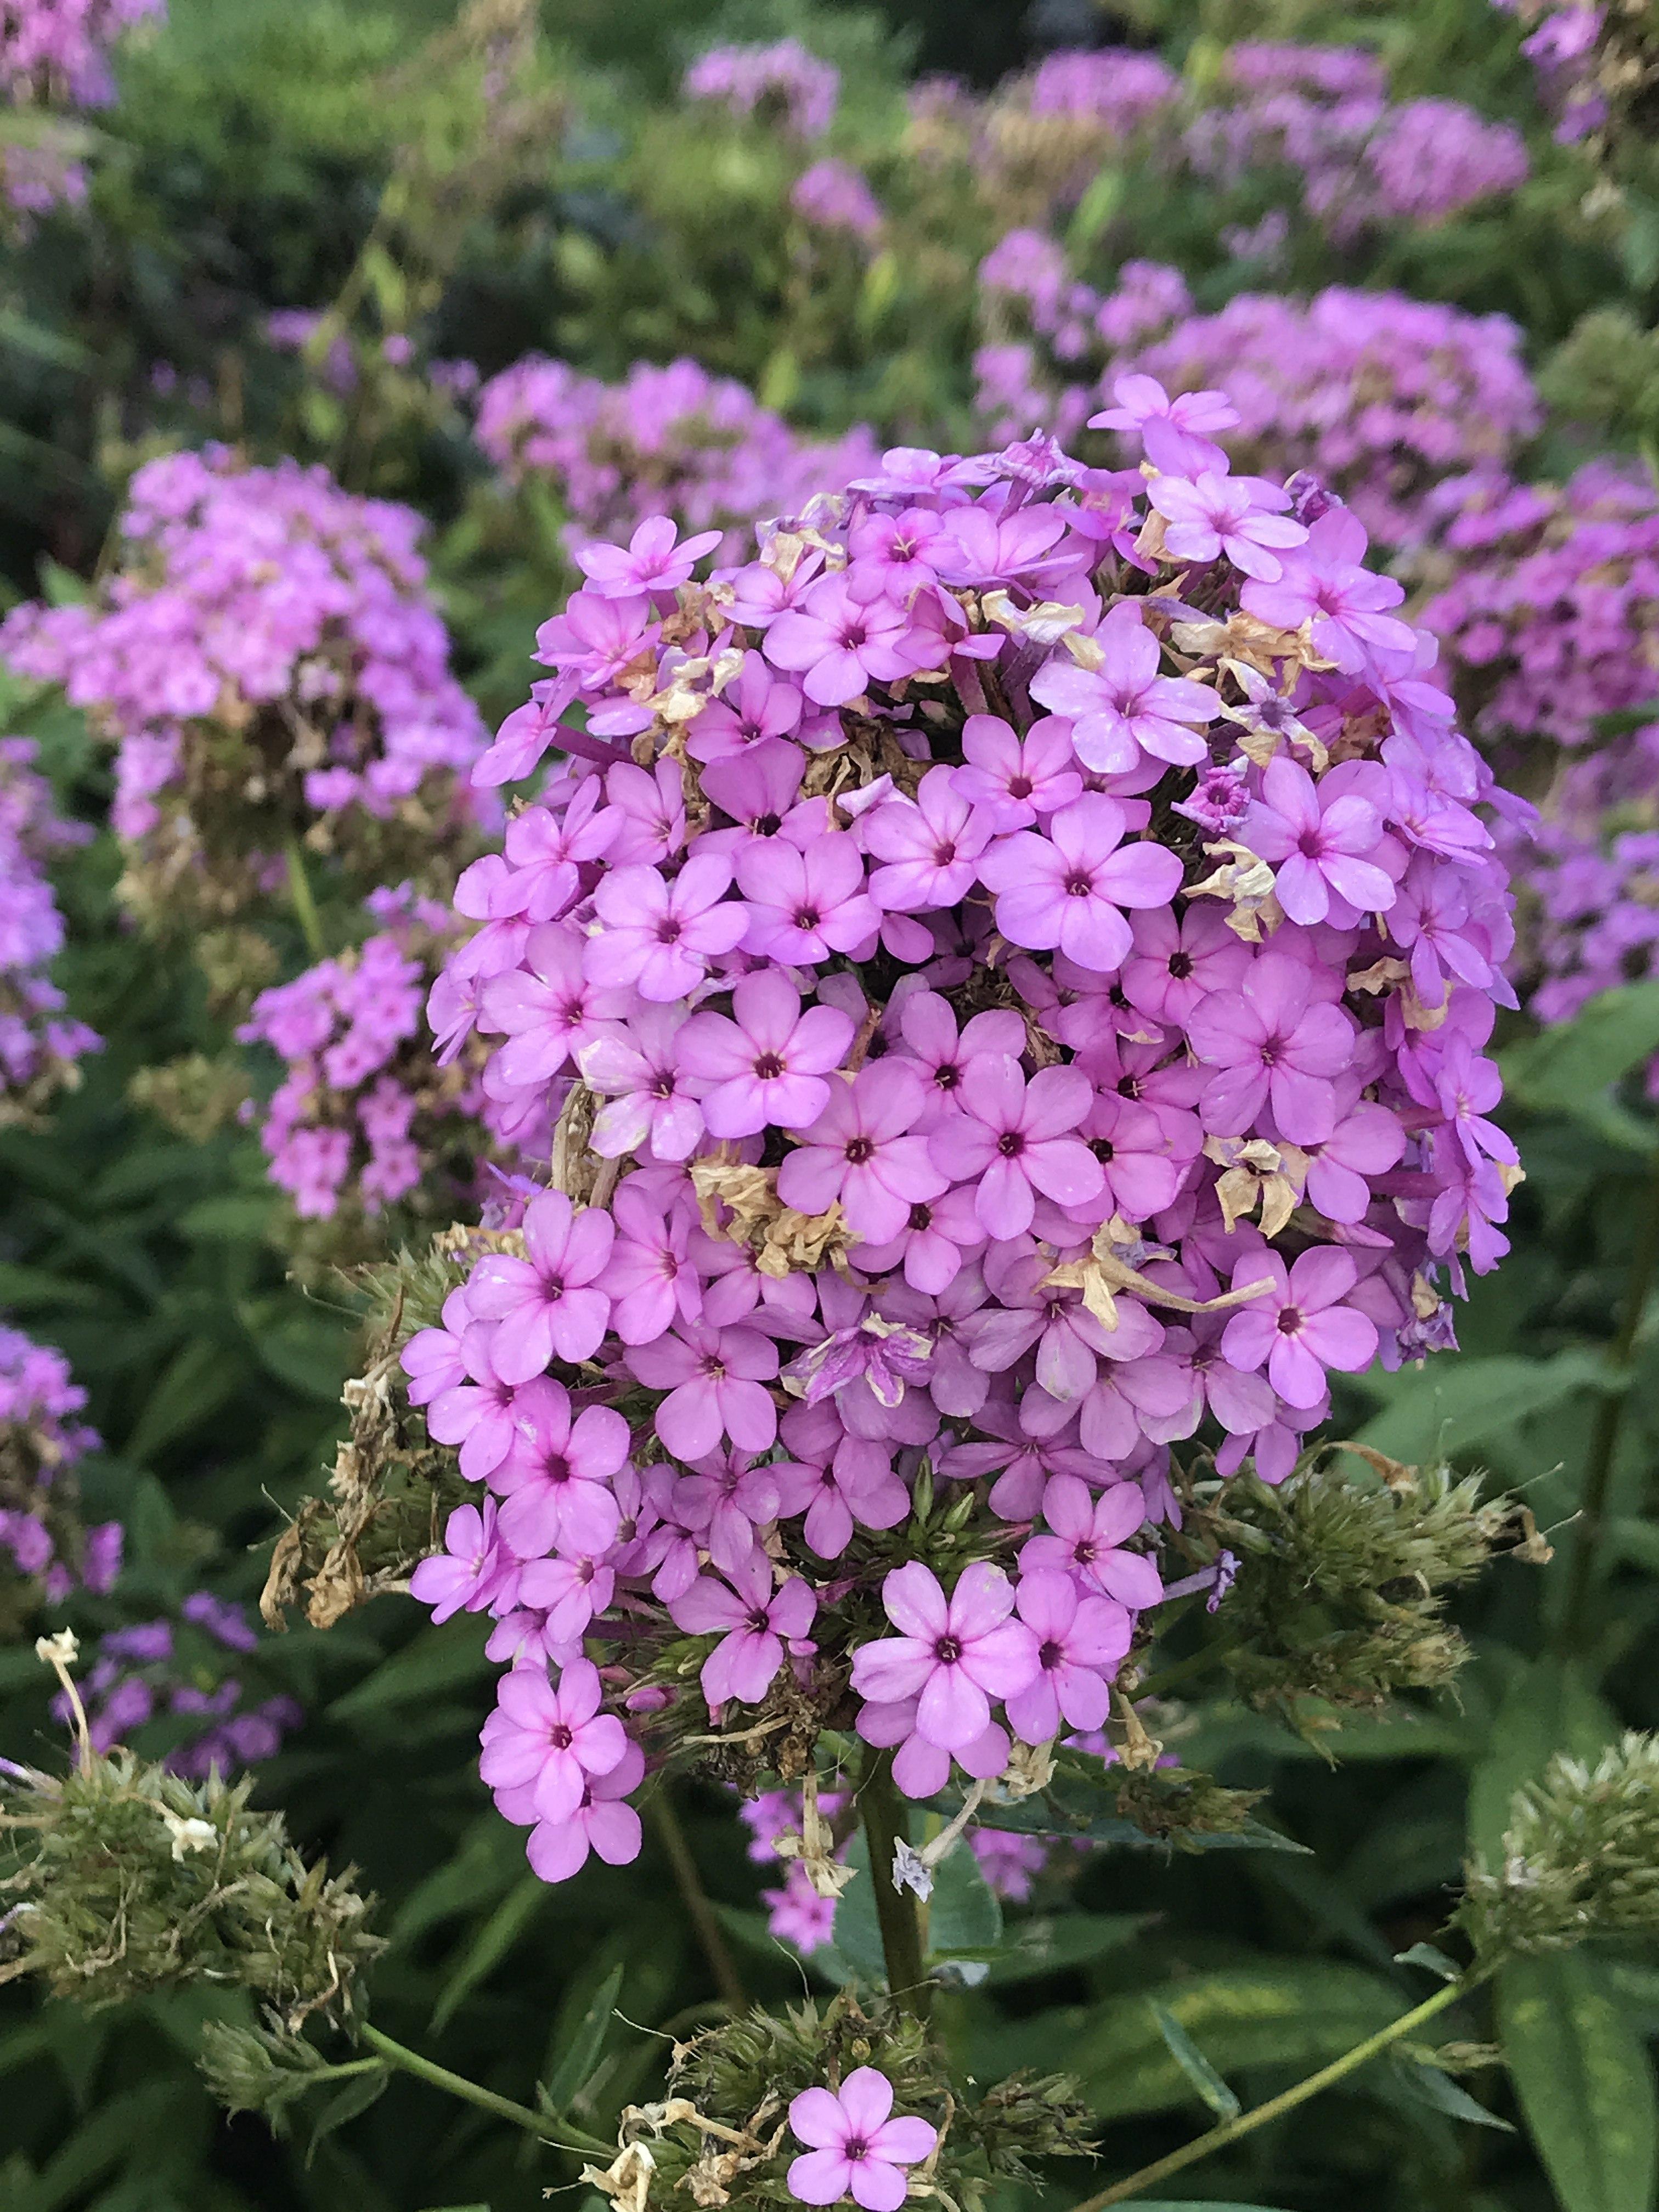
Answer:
(886, 1819)
(695, 1898)
(1246, 2123)
(502, 2108)
(305, 906)
(1577, 1624)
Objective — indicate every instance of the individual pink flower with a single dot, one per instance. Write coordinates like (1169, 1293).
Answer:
(715, 1380)
(545, 851)
(649, 1277)
(1242, 518)
(661, 936)
(1299, 1327)
(1017, 1138)
(806, 904)
(465, 1574)
(953, 1655)
(758, 1621)
(861, 1152)
(549, 1008)
(648, 807)
(550, 1740)
(1080, 1640)
(758, 706)
(1013, 780)
(854, 1487)
(1323, 583)
(652, 563)
(938, 1235)
(1088, 1531)
(601, 1823)
(931, 844)
(653, 1098)
(856, 2150)
(1320, 842)
(841, 644)
(921, 1769)
(927, 1027)
(724, 1500)
(1271, 1041)
(765, 1067)
(546, 1303)
(1141, 1168)
(1067, 889)
(1368, 1141)
(1123, 707)
(1176, 961)
(556, 1479)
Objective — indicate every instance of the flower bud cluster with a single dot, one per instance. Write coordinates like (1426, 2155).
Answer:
(39, 1045)
(366, 1116)
(269, 665)
(673, 442)
(1021, 947)
(46, 1551)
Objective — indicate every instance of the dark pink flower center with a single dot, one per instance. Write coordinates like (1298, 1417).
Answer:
(668, 930)
(714, 1368)
(1078, 885)
(1181, 966)
(855, 2147)
(1050, 1653)
(759, 1622)
(943, 854)
(769, 1066)
(1289, 1320)
(556, 1468)
(807, 917)
(765, 825)
(559, 1737)
(922, 1217)
(1010, 1144)
(859, 1149)
(948, 1650)
(1020, 786)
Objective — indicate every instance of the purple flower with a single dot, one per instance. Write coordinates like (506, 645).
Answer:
(1176, 962)
(757, 1619)
(549, 1008)
(1079, 1643)
(806, 905)
(546, 1303)
(1242, 518)
(655, 1094)
(928, 1029)
(551, 1741)
(766, 1066)
(938, 1235)
(465, 1576)
(856, 2149)
(954, 1656)
(932, 843)
(1089, 1533)
(1014, 780)
(1271, 1042)
(854, 1487)
(861, 1152)
(600, 1823)
(555, 1478)
(1014, 1137)
(652, 563)
(715, 1380)
(1299, 1327)
(841, 644)
(1318, 840)
(661, 936)
(1066, 891)
(1368, 1141)
(1322, 583)
(1123, 707)
(724, 1501)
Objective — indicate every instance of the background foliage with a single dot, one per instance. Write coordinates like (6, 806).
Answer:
(268, 157)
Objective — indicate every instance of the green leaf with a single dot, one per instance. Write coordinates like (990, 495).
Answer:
(490, 1947)
(1612, 1033)
(1585, 2080)
(1211, 2089)
(582, 2053)
(447, 1658)
(195, 1383)
(1430, 1959)
(1427, 2085)
(1549, 1706)
(964, 1918)
(1458, 1403)
(1298, 2016)
(857, 1932)
(1050, 1946)
(353, 2099)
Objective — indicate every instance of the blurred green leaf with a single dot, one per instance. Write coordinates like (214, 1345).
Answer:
(1584, 2079)
(1211, 2089)
(580, 2053)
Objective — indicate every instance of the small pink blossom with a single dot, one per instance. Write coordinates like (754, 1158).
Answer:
(856, 2149)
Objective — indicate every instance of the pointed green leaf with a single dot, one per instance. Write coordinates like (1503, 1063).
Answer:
(1584, 2079)
(346, 2104)
(580, 2054)
(494, 1940)
(1195, 2066)
(964, 1918)
(1427, 2085)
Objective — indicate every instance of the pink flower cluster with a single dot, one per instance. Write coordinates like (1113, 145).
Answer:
(781, 81)
(673, 442)
(366, 1116)
(831, 197)
(42, 1536)
(1381, 398)
(40, 1047)
(1361, 161)
(1024, 945)
(1561, 44)
(154, 1671)
(54, 52)
(1119, 89)
(267, 664)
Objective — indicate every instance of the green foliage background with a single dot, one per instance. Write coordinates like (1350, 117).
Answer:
(242, 172)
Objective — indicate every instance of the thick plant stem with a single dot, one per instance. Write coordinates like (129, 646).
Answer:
(695, 1898)
(503, 2108)
(1577, 1614)
(1247, 2122)
(305, 906)
(886, 1819)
